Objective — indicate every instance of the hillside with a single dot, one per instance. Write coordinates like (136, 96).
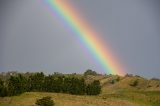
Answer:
(28, 99)
(143, 92)
(116, 91)
(127, 83)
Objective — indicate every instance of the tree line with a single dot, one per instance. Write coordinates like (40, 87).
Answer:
(38, 82)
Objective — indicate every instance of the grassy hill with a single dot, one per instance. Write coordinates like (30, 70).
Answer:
(116, 91)
(145, 91)
(29, 98)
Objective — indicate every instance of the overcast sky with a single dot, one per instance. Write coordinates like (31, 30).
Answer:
(31, 39)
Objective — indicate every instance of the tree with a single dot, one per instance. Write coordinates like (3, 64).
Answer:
(67, 83)
(36, 81)
(1, 86)
(58, 83)
(20, 83)
(17, 85)
(53, 83)
(89, 72)
(45, 101)
(94, 88)
(3, 90)
(77, 86)
(48, 84)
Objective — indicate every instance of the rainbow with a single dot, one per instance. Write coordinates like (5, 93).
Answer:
(69, 16)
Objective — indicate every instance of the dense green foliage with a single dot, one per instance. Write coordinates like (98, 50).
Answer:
(18, 84)
(89, 72)
(77, 86)
(3, 91)
(45, 101)
(36, 82)
(94, 88)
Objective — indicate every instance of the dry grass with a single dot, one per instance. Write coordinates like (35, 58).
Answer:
(146, 93)
(140, 94)
(29, 98)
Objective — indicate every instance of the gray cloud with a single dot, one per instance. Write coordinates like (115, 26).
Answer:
(31, 39)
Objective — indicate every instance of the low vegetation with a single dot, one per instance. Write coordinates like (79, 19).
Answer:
(57, 83)
(45, 101)
(31, 89)
(90, 72)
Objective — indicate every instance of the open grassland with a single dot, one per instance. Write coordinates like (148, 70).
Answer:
(146, 98)
(145, 92)
(116, 91)
(119, 98)
(29, 98)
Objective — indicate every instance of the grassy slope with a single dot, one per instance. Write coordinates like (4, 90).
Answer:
(28, 99)
(146, 93)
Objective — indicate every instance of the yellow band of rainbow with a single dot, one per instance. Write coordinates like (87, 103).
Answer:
(86, 35)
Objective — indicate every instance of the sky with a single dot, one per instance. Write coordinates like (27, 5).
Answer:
(32, 39)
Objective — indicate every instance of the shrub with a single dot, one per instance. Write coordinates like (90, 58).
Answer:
(118, 79)
(112, 81)
(90, 72)
(3, 90)
(129, 75)
(94, 88)
(45, 101)
(155, 79)
(149, 86)
(134, 83)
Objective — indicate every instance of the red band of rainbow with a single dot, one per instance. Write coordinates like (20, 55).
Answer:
(86, 35)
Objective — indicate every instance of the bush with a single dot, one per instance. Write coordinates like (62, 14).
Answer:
(89, 72)
(112, 81)
(129, 75)
(94, 88)
(134, 83)
(118, 79)
(3, 90)
(45, 101)
(155, 79)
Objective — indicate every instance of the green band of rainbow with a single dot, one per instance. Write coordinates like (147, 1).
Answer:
(86, 35)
